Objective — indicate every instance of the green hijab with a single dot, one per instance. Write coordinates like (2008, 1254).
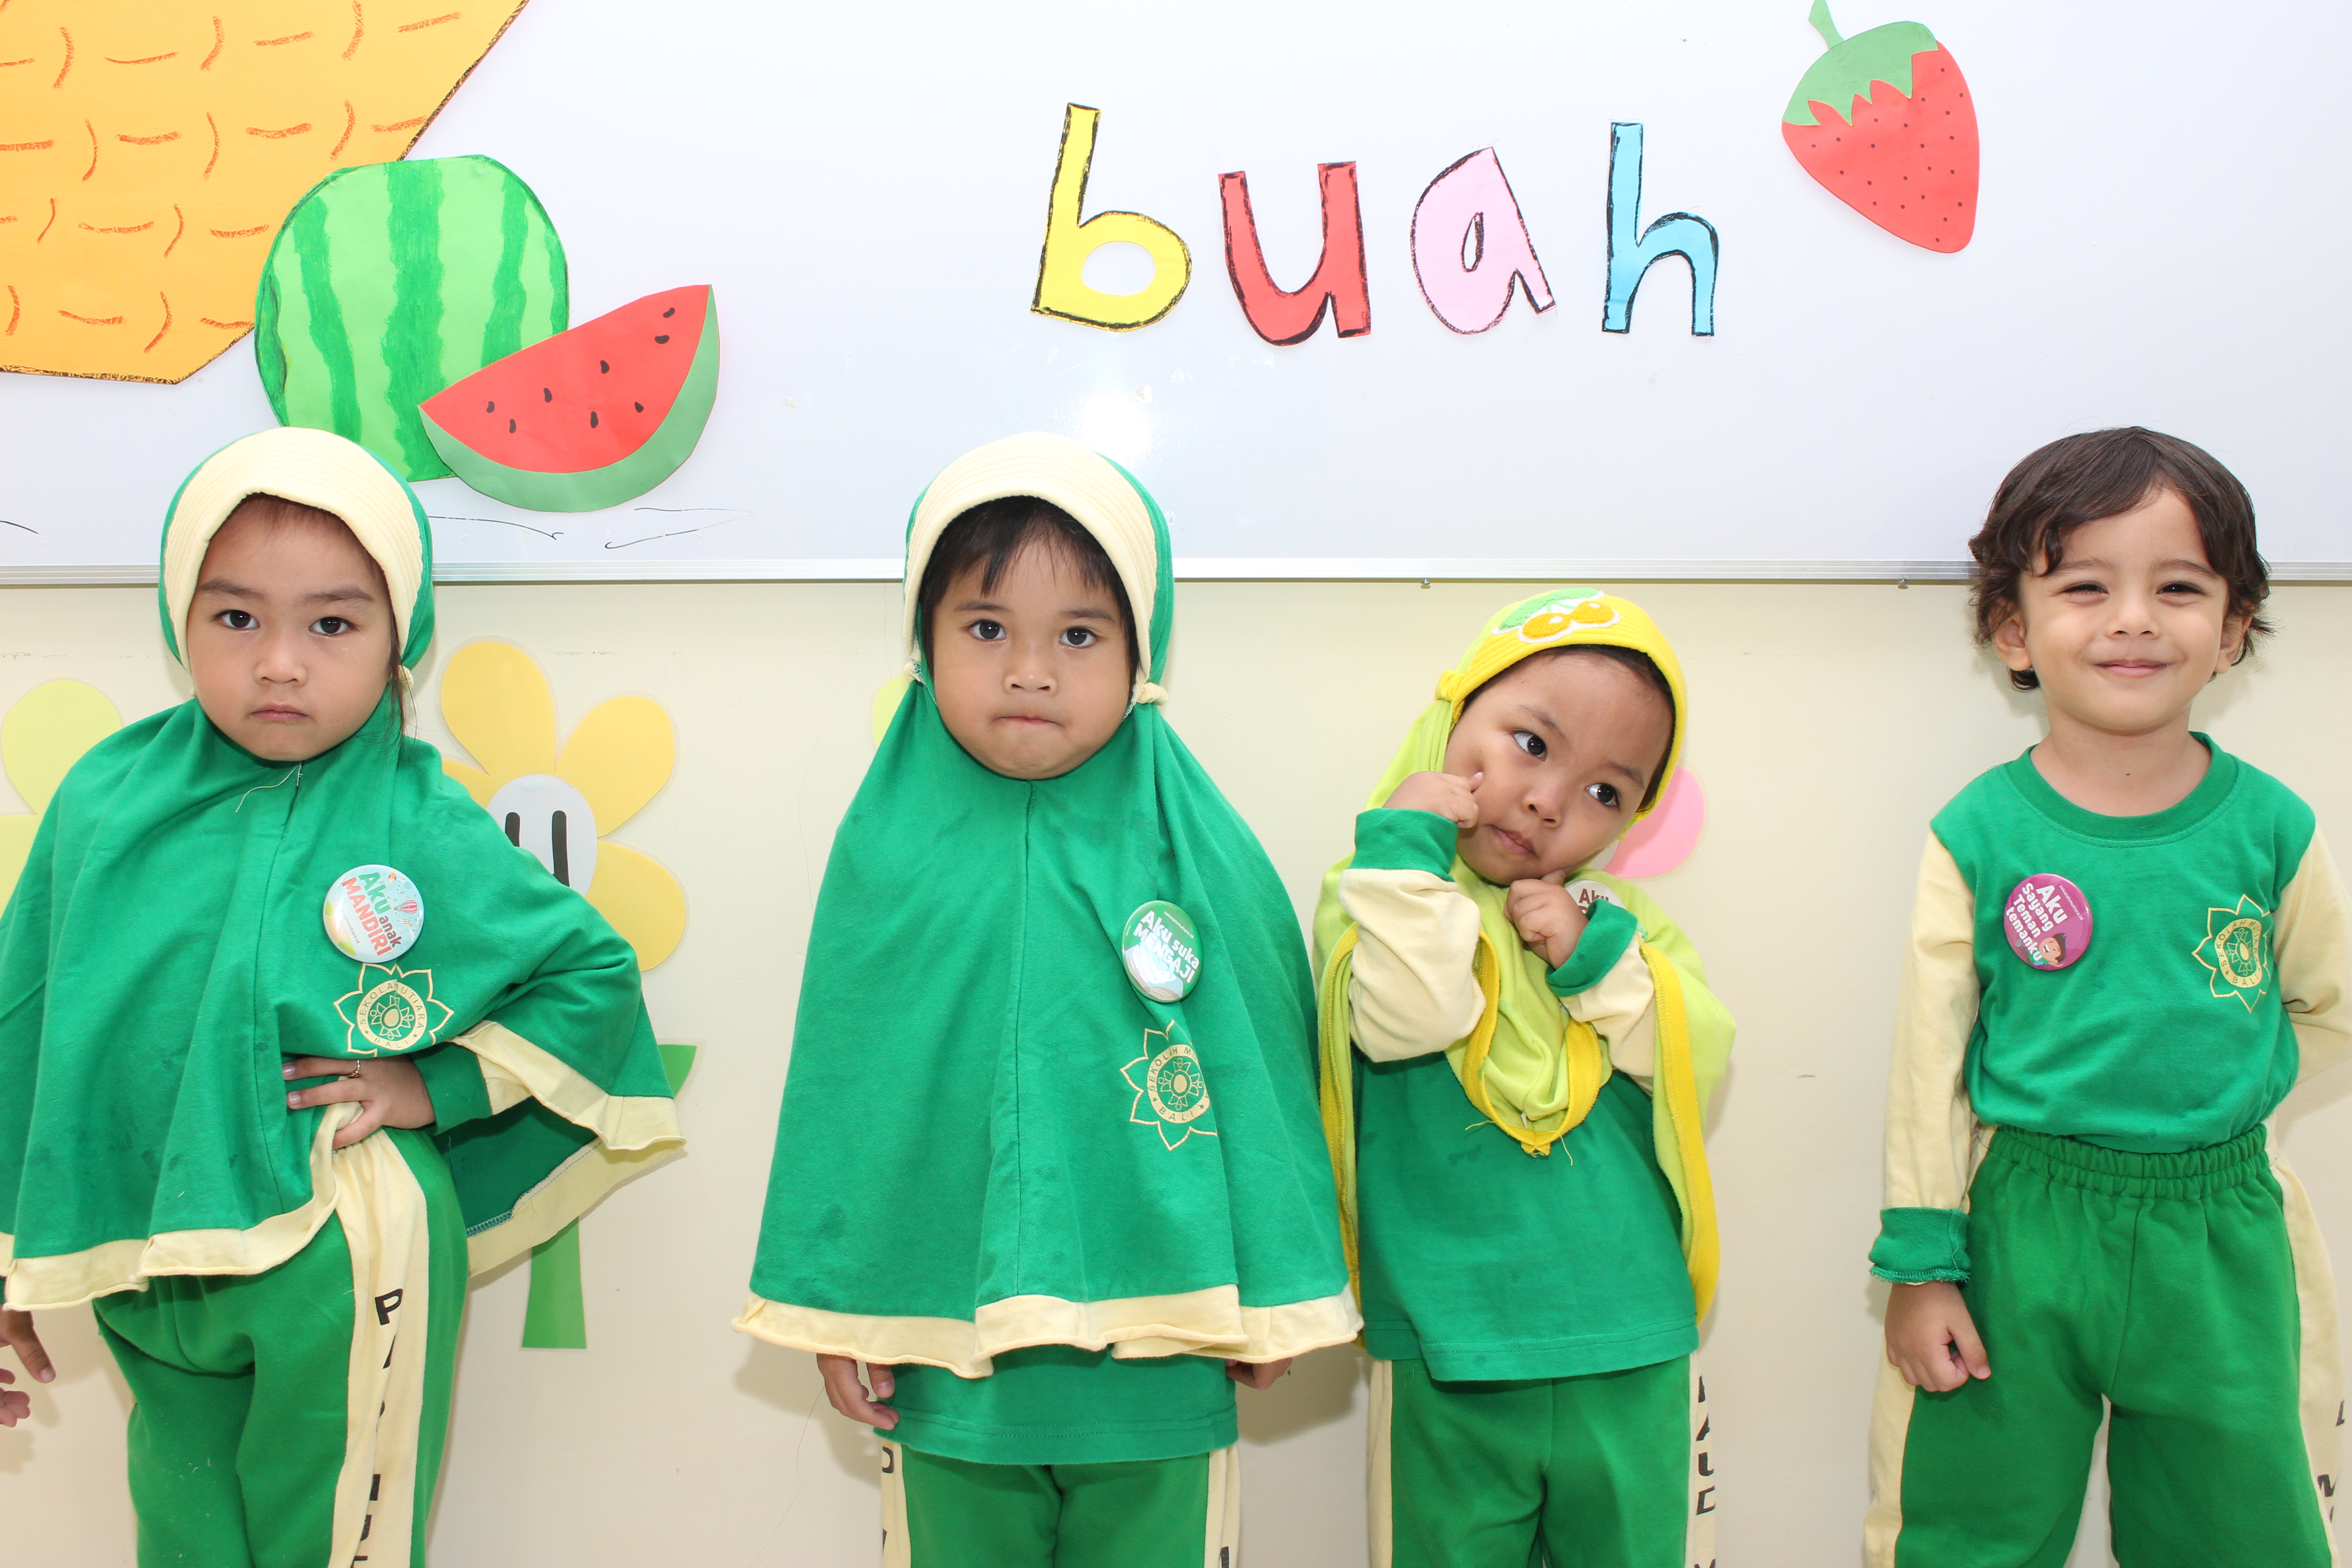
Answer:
(990, 1139)
(165, 951)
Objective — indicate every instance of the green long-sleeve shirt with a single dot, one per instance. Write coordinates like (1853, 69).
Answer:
(1481, 1260)
(2214, 977)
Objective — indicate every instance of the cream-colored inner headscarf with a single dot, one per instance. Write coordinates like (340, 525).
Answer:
(1076, 478)
(316, 467)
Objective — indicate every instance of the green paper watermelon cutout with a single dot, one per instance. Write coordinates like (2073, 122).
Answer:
(387, 282)
(591, 418)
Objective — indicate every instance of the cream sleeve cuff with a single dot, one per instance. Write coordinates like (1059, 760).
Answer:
(1621, 1005)
(1412, 987)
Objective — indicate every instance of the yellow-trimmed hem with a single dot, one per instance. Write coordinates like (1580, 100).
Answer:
(619, 1122)
(634, 1134)
(1211, 1322)
(71, 1279)
(574, 1187)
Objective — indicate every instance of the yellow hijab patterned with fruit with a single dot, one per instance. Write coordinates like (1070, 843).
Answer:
(1527, 1067)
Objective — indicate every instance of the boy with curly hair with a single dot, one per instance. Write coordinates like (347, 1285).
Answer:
(2128, 946)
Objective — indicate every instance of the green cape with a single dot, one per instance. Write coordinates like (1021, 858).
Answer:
(164, 952)
(989, 1138)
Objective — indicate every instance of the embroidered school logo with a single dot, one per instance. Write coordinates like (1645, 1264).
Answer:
(387, 1012)
(1167, 1078)
(1553, 615)
(2235, 952)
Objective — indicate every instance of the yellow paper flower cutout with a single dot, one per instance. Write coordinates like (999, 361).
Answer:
(43, 736)
(559, 804)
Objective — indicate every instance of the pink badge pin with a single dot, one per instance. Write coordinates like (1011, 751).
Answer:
(2047, 921)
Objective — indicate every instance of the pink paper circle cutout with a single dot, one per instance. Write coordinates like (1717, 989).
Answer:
(1664, 839)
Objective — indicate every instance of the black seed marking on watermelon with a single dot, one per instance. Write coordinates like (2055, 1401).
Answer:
(604, 367)
(491, 407)
(547, 393)
(669, 313)
(641, 408)
(510, 427)
(661, 337)
(592, 419)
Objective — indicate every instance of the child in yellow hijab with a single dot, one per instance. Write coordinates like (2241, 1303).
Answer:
(1516, 1056)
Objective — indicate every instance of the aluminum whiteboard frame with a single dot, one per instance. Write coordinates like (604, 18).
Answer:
(1195, 569)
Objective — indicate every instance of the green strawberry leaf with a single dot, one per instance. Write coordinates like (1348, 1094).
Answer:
(1845, 72)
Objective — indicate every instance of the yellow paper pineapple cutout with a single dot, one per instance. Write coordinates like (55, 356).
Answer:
(560, 804)
(148, 150)
(43, 736)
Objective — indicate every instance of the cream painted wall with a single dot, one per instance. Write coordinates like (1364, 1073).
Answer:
(1830, 722)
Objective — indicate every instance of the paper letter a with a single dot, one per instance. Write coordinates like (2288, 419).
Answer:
(1282, 316)
(1061, 285)
(1470, 246)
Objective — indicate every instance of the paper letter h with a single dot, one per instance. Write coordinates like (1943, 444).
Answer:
(1632, 249)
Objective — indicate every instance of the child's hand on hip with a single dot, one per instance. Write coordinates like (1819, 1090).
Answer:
(17, 1330)
(1258, 1374)
(847, 1391)
(1930, 1338)
(390, 1092)
(1442, 795)
(1547, 918)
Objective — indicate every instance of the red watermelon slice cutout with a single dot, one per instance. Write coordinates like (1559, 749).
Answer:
(590, 417)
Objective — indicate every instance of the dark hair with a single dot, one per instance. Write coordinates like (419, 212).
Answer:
(2105, 473)
(992, 533)
(1633, 658)
(274, 513)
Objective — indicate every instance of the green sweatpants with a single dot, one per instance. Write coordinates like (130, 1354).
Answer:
(1573, 1472)
(1142, 1513)
(2164, 1285)
(244, 1423)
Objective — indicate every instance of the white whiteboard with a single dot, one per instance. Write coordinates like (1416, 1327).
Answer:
(2161, 237)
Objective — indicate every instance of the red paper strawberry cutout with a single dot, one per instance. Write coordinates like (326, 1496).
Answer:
(1885, 122)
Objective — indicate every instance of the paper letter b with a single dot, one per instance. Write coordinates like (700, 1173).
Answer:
(1060, 284)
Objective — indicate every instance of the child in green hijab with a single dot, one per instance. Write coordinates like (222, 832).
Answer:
(292, 1038)
(1048, 1164)
(1516, 1067)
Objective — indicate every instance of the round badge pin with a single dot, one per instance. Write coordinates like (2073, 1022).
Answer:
(1587, 892)
(2047, 921)
(373, 913)
(1160, 950)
